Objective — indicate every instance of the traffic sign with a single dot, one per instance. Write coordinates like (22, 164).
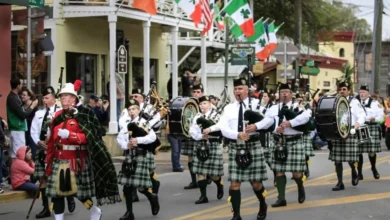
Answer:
(290, 73)
(122, 60)
(240, 55)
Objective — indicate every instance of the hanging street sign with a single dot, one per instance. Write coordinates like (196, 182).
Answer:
(312, 71)
(122, 60)
(239, 55)
(37, 3)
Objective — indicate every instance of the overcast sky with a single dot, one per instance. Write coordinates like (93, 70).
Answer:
(367, 12)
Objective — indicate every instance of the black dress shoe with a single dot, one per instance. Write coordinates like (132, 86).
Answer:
(179, 170)
(355, 179)
(301, 194)
(360, 176)
(307, 173)
(375, 173)
(236, 217)
(127, 216)
(279, 203)
(44, 213)
(209, 180)
(191, 186)
(201, 200)
(220, 191)
(339, 186)
(154, 204)
(262, 213)
(156, 187)
(135, 197)
(71, 204)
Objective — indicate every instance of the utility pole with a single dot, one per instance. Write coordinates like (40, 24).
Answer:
(298, 37)
(377, 45)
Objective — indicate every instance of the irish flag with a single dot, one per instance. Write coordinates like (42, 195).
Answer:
(148, 6)
(261, 43)
(273, 41)
(192, 8)
(241, 13)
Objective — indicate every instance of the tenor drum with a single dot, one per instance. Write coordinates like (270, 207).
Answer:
(181, 115)
(333, 117)
(363, 134)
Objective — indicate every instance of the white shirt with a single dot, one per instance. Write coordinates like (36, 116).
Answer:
(123, 136)
(228, 123)
(373, 110)
(195, 130)
(36, 124)
(271, 117)
(357, 112)
(155, 121)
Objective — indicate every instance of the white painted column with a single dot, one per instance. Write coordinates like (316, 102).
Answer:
(146, 56)
(175, 90)
(203, 62)
(113, 125)
(54, 73)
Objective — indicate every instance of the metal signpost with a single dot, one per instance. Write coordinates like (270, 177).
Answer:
(122, 60)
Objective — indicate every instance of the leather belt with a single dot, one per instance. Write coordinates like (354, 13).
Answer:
(370, 123)
(73, 147)
(288, 138)
(212, 140)
(252, 138)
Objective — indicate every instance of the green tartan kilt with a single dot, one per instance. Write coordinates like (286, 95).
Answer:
(213, 166)
(39, 170)
(187, 147)
(141, 178)
(267, 151)
(307, 141)
(296, 157)
(375, 145)
(344, 150)
(257, 171)
(85, 183)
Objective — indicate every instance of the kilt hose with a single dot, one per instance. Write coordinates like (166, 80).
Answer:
(141, 178)
(307, 141)
(296, 158)
(375, 145)
(187, 148)
(84, 181)
(213, 166)
(256, 171)
(39, 169)
(344, 150)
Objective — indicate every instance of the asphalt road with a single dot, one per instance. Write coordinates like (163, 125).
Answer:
(369, 200)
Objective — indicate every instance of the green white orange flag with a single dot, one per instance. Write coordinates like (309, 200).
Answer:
(241, 13)
(148, 6)
(273, 41)
(219, 21)
(192, 8)
(261, 43)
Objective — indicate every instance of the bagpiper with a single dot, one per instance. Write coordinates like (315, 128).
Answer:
(208, 154)
(39, 133)
(189, 144)
(374, 114)
(287, 147)
(139, 161)
(246, 157)
(347, 150)
(78, 162)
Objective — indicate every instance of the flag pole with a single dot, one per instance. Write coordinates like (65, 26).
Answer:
(226, 50)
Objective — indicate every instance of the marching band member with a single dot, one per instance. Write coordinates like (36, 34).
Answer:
(39, 133)
(189, 144)
(347, 150)
(208, 156)
(374, 114)
(73, 143)
(288, 152)
(141, 177)
(244, 144)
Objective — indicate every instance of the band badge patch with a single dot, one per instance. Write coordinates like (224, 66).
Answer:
(243, 81)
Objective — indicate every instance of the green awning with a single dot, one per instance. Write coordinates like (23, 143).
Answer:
(16, 2)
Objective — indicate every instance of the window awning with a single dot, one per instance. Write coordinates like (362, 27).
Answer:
(218, 70)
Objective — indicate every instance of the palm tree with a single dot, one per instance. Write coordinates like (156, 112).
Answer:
(348, 74)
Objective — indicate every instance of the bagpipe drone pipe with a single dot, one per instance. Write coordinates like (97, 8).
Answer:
(137, 131)
(204, 123)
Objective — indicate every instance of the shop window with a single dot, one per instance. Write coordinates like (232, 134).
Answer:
(138, 72)
(342, 52)
(84, 67)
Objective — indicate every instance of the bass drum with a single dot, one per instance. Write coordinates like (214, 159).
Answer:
(182, 111)
(333, 118)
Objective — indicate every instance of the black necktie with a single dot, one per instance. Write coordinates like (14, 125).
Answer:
(364, 104)
(240, 119)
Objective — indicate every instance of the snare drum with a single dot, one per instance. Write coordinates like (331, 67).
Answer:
(363, 134)
(333, 117)
(182, 111)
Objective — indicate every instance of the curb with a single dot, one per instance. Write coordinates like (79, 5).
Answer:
(13, 196)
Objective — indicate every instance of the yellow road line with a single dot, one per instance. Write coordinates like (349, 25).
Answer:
(291, 187)
(294, 206)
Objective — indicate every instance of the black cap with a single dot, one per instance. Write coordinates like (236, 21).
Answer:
(133, 102)
(203, 99)
(136, 91)
(240, 82)
(94, 97)
(298, 96)
(48, 90)
(364, 87)
(196, 87)
(284, 86)
(344, 84)
(212, 97)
